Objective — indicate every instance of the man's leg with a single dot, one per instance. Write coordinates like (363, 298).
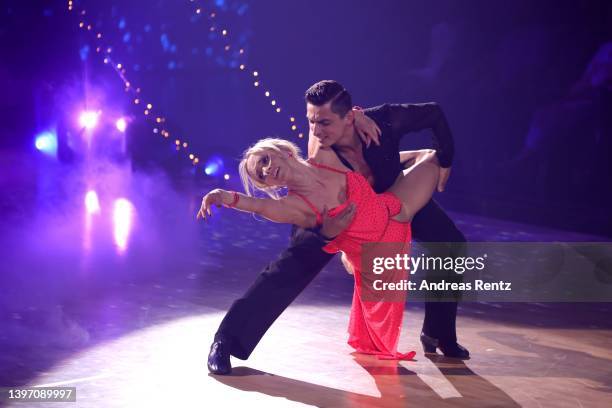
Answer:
(432, 225)
(275, 288)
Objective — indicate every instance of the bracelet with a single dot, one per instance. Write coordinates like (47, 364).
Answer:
(234, 201)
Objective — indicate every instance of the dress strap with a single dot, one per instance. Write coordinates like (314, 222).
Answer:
(323, 166)
(310, 204)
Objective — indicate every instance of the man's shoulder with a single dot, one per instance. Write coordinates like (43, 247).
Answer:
(379, 114)
(376, 110)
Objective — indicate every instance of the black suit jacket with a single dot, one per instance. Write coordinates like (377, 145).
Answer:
(394, 120)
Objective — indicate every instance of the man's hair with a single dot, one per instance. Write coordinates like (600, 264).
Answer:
(325, 91)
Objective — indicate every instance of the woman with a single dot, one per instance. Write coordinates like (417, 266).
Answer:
(324, 182)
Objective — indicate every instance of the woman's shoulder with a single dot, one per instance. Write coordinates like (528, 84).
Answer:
(328, 157)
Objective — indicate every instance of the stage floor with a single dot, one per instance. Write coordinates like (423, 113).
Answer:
(123, 306)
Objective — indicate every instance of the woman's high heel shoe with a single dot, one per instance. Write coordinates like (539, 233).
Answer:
(430, 344)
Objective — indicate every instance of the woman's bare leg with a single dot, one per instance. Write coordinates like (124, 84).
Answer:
(415, 186)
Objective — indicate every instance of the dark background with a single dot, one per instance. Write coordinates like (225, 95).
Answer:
(526, 86)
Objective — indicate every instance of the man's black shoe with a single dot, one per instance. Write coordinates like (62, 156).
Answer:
(454, 350)
(219, 359)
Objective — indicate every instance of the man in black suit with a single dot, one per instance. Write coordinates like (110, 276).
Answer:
(332, 124)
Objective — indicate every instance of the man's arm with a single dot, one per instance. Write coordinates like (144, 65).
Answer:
(413, 117)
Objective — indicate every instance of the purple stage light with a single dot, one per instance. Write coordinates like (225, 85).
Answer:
(88, 119)
(92, 204)
(123, 215)
(121, 124)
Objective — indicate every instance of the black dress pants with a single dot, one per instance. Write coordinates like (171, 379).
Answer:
(284, 279)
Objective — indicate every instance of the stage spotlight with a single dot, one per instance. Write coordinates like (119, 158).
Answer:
(121, 124)
(213, 166)
(46, 142)
(88, 119)
(92, 204)
(123, 217)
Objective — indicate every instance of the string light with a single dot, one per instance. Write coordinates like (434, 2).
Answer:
(225, 35)
(121, 72)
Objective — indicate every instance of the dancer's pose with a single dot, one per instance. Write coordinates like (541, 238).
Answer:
(324, 182)
(333, 124)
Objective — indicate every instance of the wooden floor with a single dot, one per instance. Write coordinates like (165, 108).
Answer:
(304, 361)
(131, 325)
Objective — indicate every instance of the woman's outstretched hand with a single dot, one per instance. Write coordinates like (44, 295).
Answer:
(216, 197)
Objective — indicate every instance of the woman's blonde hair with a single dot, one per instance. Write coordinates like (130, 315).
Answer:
(250, 183)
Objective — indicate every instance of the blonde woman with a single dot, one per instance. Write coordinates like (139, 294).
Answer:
(316, 185)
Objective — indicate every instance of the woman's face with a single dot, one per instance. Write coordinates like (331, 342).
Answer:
(270, 168)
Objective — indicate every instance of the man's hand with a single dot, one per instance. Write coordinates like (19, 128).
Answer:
(333, 226)
(366, 128)
(443, 178)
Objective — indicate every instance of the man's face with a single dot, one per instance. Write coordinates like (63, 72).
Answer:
(328, 127)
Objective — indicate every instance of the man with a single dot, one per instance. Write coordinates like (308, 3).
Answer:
(332, 124)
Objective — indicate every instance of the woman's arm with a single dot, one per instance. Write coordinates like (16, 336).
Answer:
(409, 157)
(275, 210)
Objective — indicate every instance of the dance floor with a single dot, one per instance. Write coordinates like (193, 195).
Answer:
(119, 293)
